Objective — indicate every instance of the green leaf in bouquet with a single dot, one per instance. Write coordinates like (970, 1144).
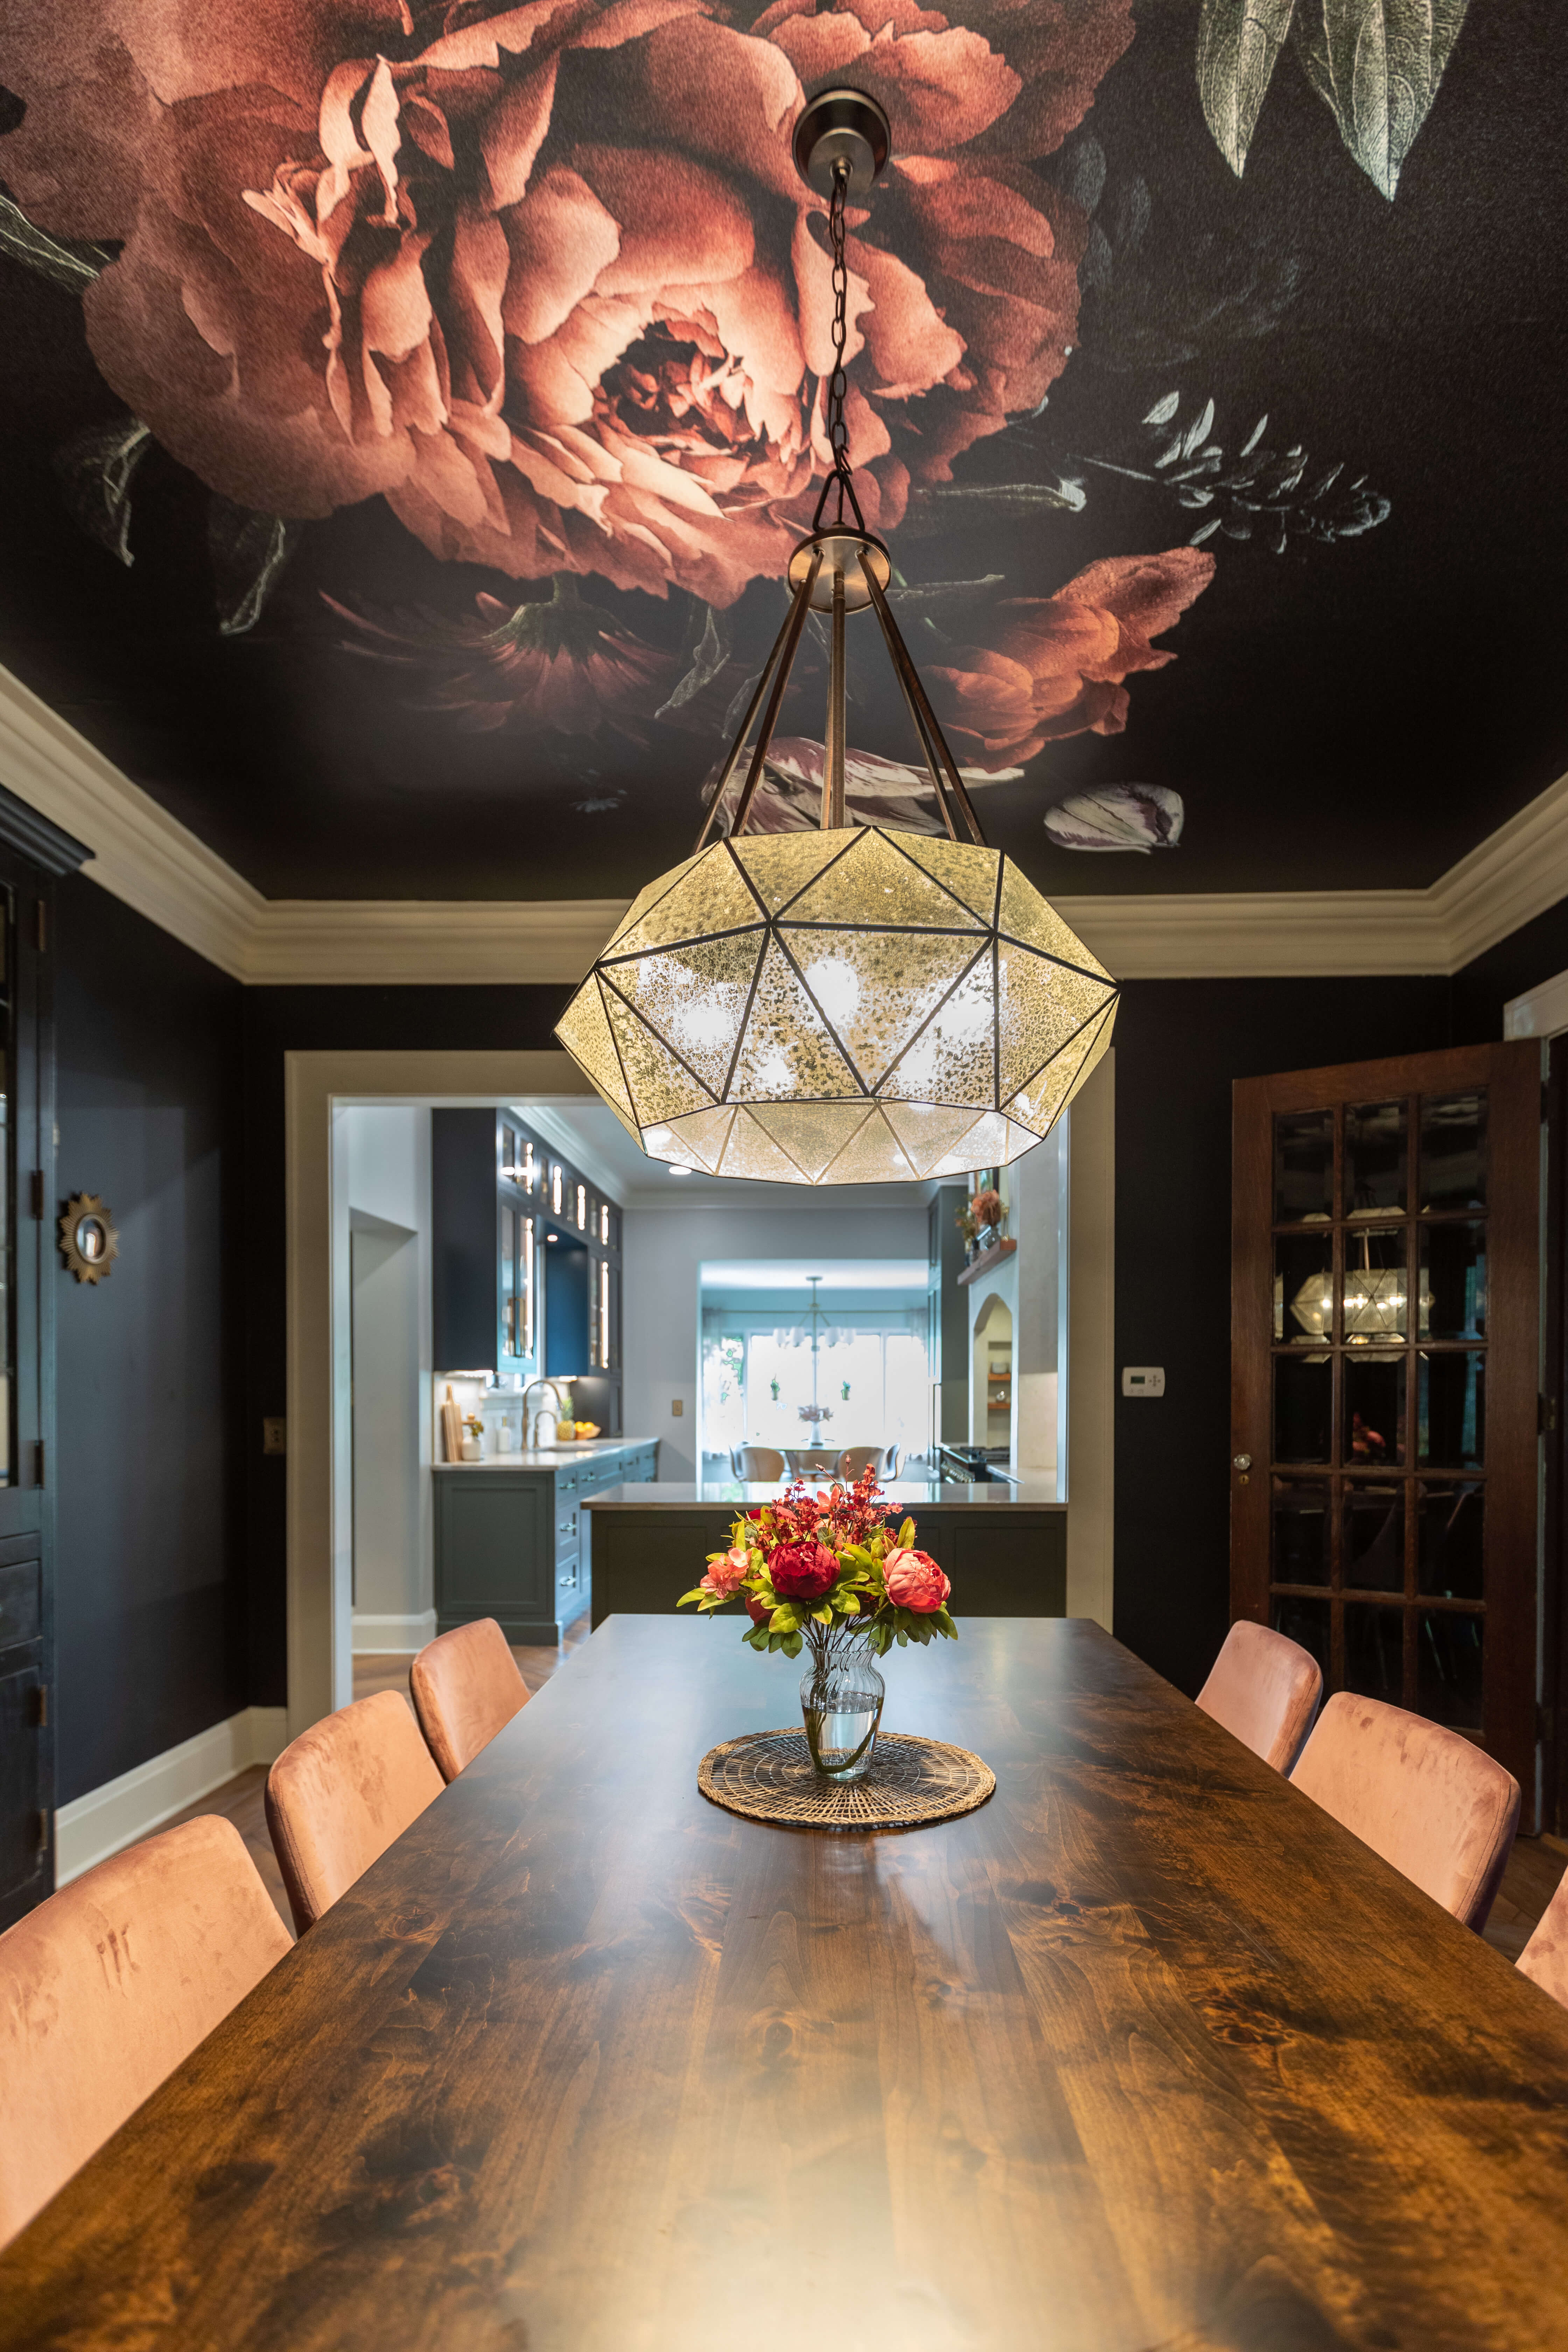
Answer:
(696, 1594)
(792, 1645)
(907, 1535)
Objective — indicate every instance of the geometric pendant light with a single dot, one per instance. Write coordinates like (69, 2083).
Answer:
(855, 1005)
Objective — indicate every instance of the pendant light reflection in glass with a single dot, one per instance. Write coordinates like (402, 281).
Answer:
(844, 1007)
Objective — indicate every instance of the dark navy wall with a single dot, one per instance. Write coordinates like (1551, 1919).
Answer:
(150, 1576)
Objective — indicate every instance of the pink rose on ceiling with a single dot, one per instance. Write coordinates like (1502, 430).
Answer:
(543, 276)
(1055, 664)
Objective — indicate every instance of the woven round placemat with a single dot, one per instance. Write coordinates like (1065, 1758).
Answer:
(769, 1776)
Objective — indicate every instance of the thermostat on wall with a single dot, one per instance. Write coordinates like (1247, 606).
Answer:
(1142, 1379)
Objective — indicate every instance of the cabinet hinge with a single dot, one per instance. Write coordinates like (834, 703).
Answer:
(1545, 1415)
(39, 1461)
(41, 1707)
(43, 935)
(37, 1193)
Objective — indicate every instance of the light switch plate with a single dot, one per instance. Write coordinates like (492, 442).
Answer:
(1142, 1379)
(677, 1407)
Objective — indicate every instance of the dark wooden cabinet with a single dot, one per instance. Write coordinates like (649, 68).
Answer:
(33, 853)
(509, 1541)
(527, 1262)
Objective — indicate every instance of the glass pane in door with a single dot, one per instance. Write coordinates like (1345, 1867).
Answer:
(1454, 1282)
(1453, 1420)
(1454, 1151)
(1375, 1153)
(1374, 1650)
(1303, 1167)
(1308, 1622)
(1373, 1408)
(1373, 1555)
(1448, 1668)
(1376, 1293)
(1300, 1534)
(1303, 1288)
(1303, 1393)
(1448, 1529)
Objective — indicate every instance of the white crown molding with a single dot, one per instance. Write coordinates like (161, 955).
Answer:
(154, 864)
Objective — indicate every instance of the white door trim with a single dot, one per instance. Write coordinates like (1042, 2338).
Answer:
(1541, 1012)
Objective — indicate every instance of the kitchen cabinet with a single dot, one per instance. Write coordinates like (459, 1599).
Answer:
(509, 1542)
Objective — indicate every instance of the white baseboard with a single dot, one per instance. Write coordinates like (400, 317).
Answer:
(107, 1820)
(378, 1636)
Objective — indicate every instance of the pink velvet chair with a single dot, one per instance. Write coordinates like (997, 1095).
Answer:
(1264, 1689)
(466, 1688)
(1545, 1956)
(339, 1795)
(1434, 1805)
(109, 1984)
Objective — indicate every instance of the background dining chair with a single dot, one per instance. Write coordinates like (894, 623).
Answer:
(760, 1462)
(1264, 1689)
(340, 1793)
(109, 1984)
(812, 1461)
(1545, 1956)
(855, 1458)
(466, 1688)
(1433, 1805)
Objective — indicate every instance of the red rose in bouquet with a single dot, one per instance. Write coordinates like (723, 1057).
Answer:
(803, 1571)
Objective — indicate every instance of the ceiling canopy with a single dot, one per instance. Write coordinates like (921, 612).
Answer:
(408, 411)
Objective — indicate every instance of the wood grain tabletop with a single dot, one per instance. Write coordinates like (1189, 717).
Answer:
(1147, 2053)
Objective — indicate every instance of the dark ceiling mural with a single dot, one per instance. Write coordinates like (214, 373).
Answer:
(406, 414)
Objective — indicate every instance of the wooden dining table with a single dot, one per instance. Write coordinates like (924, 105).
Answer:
(1145, 2053)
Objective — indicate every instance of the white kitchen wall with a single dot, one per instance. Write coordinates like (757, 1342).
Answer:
(663, 1247)
(385, 1154)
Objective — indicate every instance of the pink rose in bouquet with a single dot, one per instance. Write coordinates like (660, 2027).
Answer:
(726, 1574)
(914, 1581)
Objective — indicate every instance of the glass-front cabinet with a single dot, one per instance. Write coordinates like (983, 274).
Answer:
(1383, 1456)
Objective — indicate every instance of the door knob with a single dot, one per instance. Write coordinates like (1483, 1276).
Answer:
(1243, 1461)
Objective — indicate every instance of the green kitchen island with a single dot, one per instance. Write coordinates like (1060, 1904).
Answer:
(1002, 1547)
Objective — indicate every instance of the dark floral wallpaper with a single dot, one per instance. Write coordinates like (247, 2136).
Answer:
(408, 411)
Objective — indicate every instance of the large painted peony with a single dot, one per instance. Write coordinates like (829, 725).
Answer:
(543, 277)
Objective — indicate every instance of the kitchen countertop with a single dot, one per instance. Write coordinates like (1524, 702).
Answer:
(1028, 1495)
(552, 1457)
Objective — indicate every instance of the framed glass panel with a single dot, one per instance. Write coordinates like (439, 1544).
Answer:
(557, 1181)
(581, 1208)
(1453, 1412)
(525, 1288)
(1376, 1152)
(1450, 1525)
(1454, 1151)
(1303, 1167)
(1373, 1557)
(1453, 1282)
(1376, 1289)
(1374, 1650)
(1298, 1536)
(509, 1280)
(1303, 1289)
(1373, 1408)
(604, 1313)
(1306, 1621)
(1303, 1407)
(1448, 1668)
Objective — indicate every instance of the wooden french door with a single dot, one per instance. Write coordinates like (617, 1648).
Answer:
(1384, 1380)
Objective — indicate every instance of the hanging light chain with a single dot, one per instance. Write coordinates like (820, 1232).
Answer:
(840, 474)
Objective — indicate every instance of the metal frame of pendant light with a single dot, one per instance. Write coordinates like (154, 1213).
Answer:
(635, 1025)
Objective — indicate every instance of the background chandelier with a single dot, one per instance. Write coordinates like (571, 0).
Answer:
(856, 1005)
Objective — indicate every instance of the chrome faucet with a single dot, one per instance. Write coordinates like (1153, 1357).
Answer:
(532, 1438)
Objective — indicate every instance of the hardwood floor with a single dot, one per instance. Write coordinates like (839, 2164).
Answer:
(240, 1799)
(1529, 1883)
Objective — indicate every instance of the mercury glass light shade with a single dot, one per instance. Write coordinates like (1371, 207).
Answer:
(850, 1006)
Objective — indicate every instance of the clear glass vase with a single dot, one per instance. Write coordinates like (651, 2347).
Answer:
(841, 1695)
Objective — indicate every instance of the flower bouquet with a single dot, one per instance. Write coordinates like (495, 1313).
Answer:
(826, 1572)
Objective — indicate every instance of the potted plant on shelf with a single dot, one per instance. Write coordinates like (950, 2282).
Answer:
(826, 1572)
(985, 1208)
